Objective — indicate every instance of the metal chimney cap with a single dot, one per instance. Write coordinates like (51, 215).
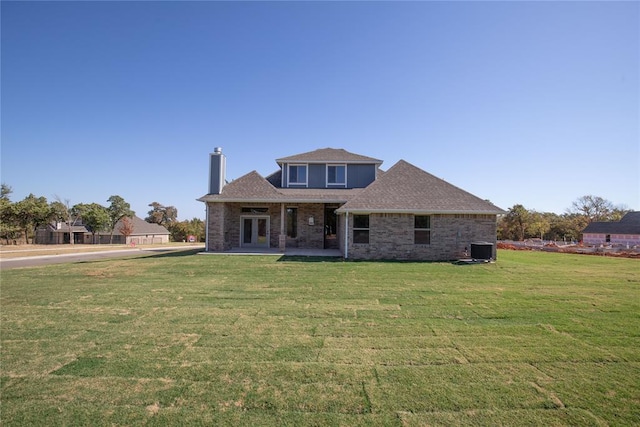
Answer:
(217, 150)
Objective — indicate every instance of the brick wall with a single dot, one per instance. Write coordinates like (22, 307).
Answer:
(224, 225)
(391, 236)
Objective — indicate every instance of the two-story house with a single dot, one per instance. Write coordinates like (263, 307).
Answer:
(333, 199)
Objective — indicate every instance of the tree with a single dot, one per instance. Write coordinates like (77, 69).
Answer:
(515, 222)
(9, 229)
(94, 216)
(61, 211)
(117, 210)
(162, 215)
(32, 212)
(594, 208)
(181, 230)
(126, 227)
(538, 225)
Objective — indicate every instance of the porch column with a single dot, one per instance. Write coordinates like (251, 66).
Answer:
(282, 240)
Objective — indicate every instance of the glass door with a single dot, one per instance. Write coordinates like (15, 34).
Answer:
(255, 231)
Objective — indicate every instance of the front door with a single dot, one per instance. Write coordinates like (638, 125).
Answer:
(330, 227)
(254, 231)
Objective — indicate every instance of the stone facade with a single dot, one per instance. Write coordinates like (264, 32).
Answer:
(391, 236)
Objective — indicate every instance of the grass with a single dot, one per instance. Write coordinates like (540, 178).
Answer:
(535, 339)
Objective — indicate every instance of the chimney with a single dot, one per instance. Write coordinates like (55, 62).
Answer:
(217, 171)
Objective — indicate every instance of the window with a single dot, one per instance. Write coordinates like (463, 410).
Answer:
(292, 222)
(298, 174)
(422, 230)
(336, 175)
(361, 229)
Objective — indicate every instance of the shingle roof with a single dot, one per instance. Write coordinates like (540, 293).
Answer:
(64, 228)
(140, 227)
(629, 224)
(252, 187)
(328, 155)
(403, 188)
(407, 188)
(249, 186)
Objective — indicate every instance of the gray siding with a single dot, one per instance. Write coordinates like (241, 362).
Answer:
(360, 176)
(317, 176)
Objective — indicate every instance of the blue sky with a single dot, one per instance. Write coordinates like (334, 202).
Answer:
(533, 103)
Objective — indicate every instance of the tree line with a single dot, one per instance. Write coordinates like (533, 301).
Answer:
(521, 223)
(20, 220)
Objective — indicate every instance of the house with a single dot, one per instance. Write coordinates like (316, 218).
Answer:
(57, 233)
(625, 232)
(333, 199)
(142, 233)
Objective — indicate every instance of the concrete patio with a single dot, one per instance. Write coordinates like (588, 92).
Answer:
(334, 253)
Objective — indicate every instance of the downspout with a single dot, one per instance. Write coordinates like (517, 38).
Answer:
(346, 235)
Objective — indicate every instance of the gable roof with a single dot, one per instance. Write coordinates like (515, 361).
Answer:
(629, 224)
(405, 188)
(329, 155)
(251, 186)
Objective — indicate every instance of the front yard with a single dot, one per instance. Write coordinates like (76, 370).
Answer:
(535, 339)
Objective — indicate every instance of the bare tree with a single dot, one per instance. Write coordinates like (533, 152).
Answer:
(126, 227)
(594, 208)
(62, 210)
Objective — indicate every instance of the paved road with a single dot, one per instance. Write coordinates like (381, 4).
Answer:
(87, 256)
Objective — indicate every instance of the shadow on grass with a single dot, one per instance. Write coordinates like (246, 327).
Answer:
(160, 253)
(172, 253)
(302, 258)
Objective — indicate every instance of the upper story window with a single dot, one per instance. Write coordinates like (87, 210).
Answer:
(298, 174)
(336, 175)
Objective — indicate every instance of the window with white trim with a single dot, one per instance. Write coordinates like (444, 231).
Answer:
(298, 174)
(422, 230)
(336, 175)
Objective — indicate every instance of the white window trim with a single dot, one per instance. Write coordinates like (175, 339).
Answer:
(336, 184)
(306, 178)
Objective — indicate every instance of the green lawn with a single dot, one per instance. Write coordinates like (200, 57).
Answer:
(535, 339)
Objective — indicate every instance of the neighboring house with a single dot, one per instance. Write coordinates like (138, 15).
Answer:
(624, 232)
(143, 233)
(333, 199)
(57, 233)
